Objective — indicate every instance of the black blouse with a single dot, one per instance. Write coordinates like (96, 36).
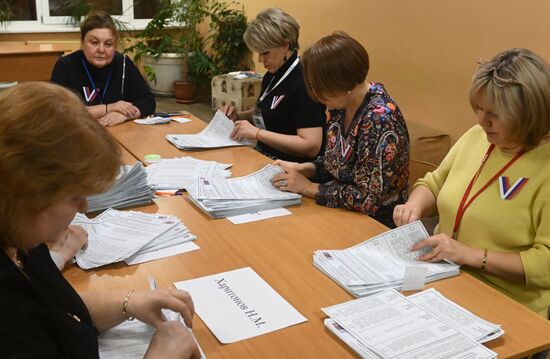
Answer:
(70, 71)
(288, 107)
(42, 315)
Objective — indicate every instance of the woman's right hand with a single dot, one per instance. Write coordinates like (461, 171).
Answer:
(125, 108)
(405, 214)
(230, 112)
(172, 340)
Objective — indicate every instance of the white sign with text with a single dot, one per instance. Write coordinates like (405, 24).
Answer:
(239, 304)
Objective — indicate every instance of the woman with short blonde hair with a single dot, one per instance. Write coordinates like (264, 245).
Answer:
(491, 191)
(286, 123)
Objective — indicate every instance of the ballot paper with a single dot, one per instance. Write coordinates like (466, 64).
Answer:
(179, 173)
(224, 197)
(153, 120)
(380, 262)
(215, 135)
(130, 339)
(116, 236)
(390, 325)
(239, 304)
(130, 189)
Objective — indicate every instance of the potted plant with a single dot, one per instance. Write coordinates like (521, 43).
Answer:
(159, 49)
(176, 29)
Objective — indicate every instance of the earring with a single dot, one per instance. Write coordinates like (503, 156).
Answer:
(349, 92)
(284, 58)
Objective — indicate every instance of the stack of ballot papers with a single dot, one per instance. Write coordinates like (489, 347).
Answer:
(179, 173)
(215, 135)
(130, 189)
(133, 237)
(131, 339)
(424, 325)
(381, 262)
(225, 197)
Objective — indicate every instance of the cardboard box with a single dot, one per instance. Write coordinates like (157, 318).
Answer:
(239, 89)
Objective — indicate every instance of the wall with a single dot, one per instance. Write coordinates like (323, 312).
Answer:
(425, 51)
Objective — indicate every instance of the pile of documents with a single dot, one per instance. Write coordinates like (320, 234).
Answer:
(179, 173)
(215, 135)
(133, 237)
(131, 339)
(130, 189)
(381, 262)
(424, 325)
(225, 197)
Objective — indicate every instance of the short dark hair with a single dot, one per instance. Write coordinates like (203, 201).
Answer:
(334, 64)
(97, 19)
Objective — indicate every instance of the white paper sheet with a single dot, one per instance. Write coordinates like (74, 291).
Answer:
(239, 304)
(258, 216)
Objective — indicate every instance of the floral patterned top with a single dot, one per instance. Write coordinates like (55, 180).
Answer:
(366, 168)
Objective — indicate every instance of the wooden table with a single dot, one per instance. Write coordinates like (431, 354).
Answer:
(280, 251)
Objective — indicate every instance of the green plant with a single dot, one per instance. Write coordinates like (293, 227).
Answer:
(176, 28)
(6, 13)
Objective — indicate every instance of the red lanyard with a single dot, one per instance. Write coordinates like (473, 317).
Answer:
(463, 204)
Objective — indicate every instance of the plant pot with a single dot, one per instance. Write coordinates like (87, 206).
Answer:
(167, 68)
(185, 92)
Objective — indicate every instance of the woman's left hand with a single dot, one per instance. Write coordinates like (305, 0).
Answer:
(112, 118)
(243, 130)
(147, 305)
(291, 180)
(443, 247)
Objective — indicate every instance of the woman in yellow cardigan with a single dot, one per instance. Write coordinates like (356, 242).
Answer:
(492, 191)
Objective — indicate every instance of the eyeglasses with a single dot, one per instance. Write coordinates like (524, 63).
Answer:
(498, 79)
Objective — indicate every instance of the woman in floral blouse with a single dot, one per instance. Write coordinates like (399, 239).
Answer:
(365, 164)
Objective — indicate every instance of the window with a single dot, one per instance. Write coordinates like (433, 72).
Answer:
(59, 15)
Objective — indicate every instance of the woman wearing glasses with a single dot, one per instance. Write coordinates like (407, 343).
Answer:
(492, 191)
(365, 164)
(109, 83)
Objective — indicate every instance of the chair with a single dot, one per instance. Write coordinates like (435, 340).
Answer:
(417, 170)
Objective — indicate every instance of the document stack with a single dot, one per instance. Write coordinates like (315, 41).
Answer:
(380, 263)
(179, 173)
(130, 339)
(215, 135)
(224, 197)
(133, 237)
(425, 325)
(130, 189)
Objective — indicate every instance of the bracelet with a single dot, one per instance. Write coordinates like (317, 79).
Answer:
(484, 261)
(125, 306)
(106, 109)
(257, 133)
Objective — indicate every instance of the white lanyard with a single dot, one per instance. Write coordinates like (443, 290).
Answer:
(268, 90)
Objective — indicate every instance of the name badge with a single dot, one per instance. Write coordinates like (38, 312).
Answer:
(258, 118)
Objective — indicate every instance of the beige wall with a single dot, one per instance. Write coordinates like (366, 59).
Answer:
(425, 51)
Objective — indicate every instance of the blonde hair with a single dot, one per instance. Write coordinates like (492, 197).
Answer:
(272, 28)
(49, 144)
(516, 83)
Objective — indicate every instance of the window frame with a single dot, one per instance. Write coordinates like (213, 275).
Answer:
(47, 24)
